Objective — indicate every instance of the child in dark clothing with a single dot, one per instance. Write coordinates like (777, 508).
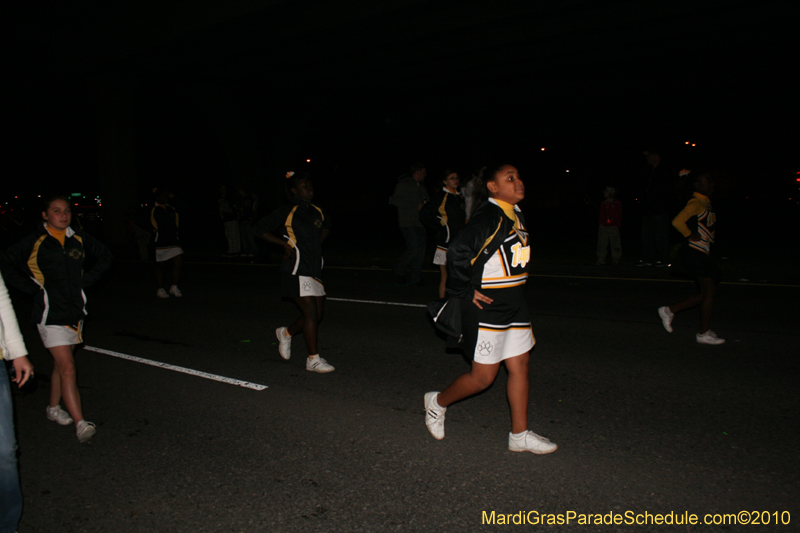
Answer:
(608, 231)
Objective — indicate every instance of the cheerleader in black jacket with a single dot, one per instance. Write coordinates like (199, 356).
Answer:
(447, 215)
(305, 226)
(488, 264)
(49, 265)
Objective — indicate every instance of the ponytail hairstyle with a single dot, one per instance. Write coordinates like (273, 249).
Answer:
(690, 178)
(488, 173)
(292, 180)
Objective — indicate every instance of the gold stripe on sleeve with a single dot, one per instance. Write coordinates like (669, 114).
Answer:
(289, 229)
(33, 261)
(485, 244)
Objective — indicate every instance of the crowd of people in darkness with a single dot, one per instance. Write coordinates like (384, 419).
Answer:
(239, 213)
(482, 251)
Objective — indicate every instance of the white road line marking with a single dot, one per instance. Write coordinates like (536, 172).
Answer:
(214, 377)
(374, 302)
(548, 276)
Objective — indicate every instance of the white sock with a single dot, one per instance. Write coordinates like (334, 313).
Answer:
(436, 403)
(519, 435)
(315, 356)
(286, 333)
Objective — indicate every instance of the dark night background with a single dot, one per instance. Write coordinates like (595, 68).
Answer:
(114, 100)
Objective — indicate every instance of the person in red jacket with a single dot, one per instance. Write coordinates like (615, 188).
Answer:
(608, 231)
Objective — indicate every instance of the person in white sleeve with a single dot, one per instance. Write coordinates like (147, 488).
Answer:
(12, 348)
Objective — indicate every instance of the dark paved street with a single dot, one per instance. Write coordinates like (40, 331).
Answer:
(646, 422)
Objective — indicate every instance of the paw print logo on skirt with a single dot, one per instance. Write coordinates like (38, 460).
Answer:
(485, 348)
(306, 285)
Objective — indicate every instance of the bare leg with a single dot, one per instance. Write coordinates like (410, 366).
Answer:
(64, 382)
(692, 301)
(473, 382)
(704, 298)
(708, 287)
(312, 308)
(177, 263)
(442, 280)
(517, 391)
(160, 274)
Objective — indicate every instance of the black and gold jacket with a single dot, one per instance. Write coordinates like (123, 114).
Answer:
(302, 225)
(39, 265)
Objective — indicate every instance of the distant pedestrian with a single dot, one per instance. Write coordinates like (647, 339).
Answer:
(446, 214)
(697, 223)
(489, 262)
(12, 348)
(247, 215)
(409, 197)
(305, 226)
(165, 222)
(230, 222)
(52, 261)
(609, 223)
(656, 201)
(468, 191)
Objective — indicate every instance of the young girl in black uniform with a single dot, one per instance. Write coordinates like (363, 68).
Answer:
(697, 223)
(447, 215)
(305, 227)
(52, 263)
(488, 264)
(164, 220)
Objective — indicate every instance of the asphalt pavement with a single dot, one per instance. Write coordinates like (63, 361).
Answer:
(648, 423)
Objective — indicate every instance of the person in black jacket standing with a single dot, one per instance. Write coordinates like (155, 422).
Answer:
(489, 263)
(447, 215)
(49, 265)
(656, 202)
(164, 222)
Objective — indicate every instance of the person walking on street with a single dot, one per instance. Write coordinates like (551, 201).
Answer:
(697, 224)
(489, 263)
(305, 227)
(409, 197)
(52, 261)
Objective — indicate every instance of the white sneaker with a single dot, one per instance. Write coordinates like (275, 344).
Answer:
(57, 414)
(434, 415)
(162, 294)
(318, 364)
(531, 442)
(666, 318)
(85, 430)
(284, 343)
(175, 291)
(709, 337)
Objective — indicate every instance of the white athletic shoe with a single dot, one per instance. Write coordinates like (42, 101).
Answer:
(531, 442)
(666, 318)
(162, 294)
(318, 364)
(709, 337)
(284, 343)
(57, 414)
(175, 291)
(85, 430)
(434, 415)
